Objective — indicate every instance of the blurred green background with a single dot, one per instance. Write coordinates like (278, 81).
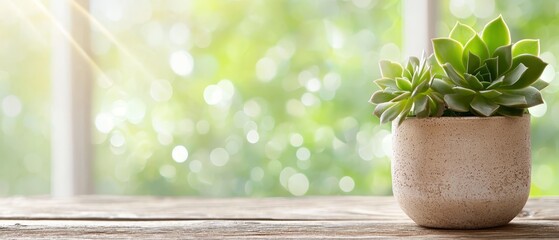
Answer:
(239, 98)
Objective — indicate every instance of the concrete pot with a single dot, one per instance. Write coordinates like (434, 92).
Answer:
(462, 172)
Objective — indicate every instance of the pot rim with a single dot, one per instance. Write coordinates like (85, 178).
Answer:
(476, 118)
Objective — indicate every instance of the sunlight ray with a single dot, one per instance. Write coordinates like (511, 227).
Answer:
(72, 41)
(27, 22)
(111, 37)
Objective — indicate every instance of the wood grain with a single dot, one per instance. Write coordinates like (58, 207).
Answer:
(153, 208)
(311, 217)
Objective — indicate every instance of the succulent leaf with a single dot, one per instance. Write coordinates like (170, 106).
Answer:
(436, 98)
(449, 51)
(526, 46)
(511, 100)
(403, 84)
(532, 95)
(453, 75)
(441, 86)
(483, 106)
(384, 83)
(535, 69)
(380, 97)
(389, 69)
(493, 67)
(381, 107)
(490, 94)
(540, 84)
(496, 84)
(435, 106)
(413, 63)
(407, 74)
(486, 84)
(391, 113)
(436, 69)
(473, 63)
(462, 33)
(423, 86)
(473, 82)
(463, 91)
(421, 106)
(504, 56)
(483, 70)
(486, 77)
(513, 76)
(534, 99)
(403, 96)
(458, 102)
(475, 46)
(404, 111)
(496, 34)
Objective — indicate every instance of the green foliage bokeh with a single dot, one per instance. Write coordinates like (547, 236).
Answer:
(269, 98)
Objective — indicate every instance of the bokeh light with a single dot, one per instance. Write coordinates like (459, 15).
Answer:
(234, 98)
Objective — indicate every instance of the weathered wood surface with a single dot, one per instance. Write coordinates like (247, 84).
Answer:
(311, 217)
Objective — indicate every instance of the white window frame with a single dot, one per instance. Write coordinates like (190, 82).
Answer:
(71, 146)
(419, 26)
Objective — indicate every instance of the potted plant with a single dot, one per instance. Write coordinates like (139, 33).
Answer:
(461, 129)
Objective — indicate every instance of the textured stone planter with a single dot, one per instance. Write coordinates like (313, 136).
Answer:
(462, 172)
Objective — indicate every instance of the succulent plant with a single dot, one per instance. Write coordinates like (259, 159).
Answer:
(469, 74)
(406, 91)
(486, 75)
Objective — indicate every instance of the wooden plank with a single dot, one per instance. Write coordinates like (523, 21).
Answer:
(309, 217)
(154, 208)
(27, 229)
(187, 208)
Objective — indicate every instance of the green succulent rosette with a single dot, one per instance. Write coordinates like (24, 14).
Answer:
(406, 91)
(485, 75)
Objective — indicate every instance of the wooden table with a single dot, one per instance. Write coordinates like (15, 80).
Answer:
(107, 217)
